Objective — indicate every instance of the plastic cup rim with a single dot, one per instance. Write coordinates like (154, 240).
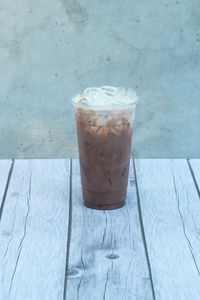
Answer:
(104, 107)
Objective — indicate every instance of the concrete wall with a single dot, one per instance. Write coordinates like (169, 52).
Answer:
(52, 49)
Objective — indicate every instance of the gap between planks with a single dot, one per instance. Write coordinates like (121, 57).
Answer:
(6, 188)
(143, 233)
(193, 177)
(69, 232)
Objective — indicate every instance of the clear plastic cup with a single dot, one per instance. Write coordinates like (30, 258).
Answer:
(104, 140)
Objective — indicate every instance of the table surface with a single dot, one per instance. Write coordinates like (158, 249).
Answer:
(52, 247)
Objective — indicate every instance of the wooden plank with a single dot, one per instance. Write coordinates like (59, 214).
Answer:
(5, 166)
(34, 228)
(171, 216)
(194, 165)
(106, 258)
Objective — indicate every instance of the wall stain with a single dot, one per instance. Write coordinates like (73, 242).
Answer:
(76, 13)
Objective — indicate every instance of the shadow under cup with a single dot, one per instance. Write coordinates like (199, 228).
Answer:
(104, 140)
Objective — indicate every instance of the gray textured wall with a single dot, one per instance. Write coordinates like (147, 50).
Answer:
(52, 49)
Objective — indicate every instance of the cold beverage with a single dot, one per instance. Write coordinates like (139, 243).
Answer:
(104, 119)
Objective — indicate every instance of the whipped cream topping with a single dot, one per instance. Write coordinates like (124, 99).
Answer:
(106, 96)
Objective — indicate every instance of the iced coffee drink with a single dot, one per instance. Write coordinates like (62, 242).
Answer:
(104, 119)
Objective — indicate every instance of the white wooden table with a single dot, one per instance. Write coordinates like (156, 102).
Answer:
(52, 247)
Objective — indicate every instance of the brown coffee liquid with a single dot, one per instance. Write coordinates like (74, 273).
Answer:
(104, 152)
